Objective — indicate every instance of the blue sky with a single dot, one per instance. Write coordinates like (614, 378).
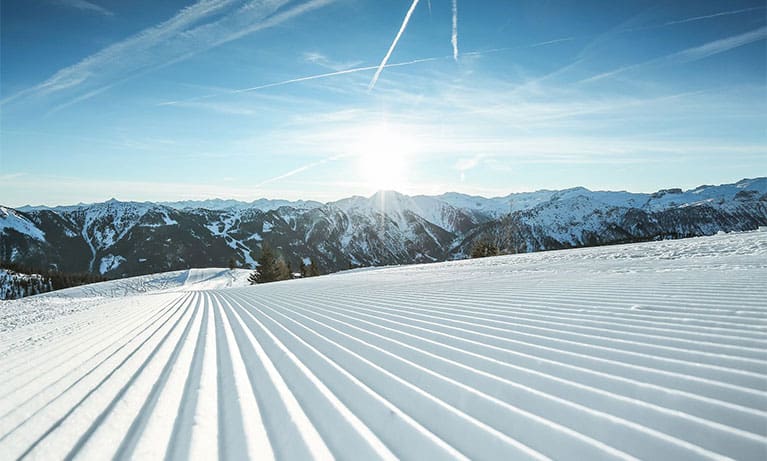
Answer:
(147, 100)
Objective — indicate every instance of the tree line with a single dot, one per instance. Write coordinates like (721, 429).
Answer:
(50, 279)
(272, 268)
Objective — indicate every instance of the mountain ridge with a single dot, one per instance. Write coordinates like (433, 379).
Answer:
(119, 239)
(449, 197)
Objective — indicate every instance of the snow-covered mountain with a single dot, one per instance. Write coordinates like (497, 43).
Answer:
(262, 204)
(130, 238)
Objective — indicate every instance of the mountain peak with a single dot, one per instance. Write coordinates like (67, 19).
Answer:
(387, 194)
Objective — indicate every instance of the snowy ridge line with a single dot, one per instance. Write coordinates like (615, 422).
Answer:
(71, 345)
(54, 363)
(413, 433)
(587, 344)
(590, 315)
(484, 359)
(230, 416)
(300, 438)
(617, 330)
(396, 387)
(67, 409)
(631, 315)
(657, 298)
(353, 434)
(128, 443)
(462, 344)
(661, 306)
(701, 426)
(470, 399)
(109, 416)
(179, 438)
(755, 352)
(58, 367)
(253, 428)
(668, 378)
(592, 344)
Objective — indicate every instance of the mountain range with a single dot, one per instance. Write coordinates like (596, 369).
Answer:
(119, 239)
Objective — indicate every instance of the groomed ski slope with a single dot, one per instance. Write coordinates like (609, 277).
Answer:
(652, 351)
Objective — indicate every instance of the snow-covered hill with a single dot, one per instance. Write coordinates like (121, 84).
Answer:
(655, 350)
(44, 307)
(128, 238)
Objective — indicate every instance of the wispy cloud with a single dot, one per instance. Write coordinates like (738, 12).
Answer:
(464, 125)
(85, 5)
(225, 92)
(226, 109)
(117, 56)
(194, 29)
(393, 45)
(690, 54)
(323, 61)
(722, 45)
(454, 35)
(465, 164)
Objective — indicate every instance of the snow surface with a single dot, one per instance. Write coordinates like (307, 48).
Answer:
(110, 262)
(11, 219)
(654, 351)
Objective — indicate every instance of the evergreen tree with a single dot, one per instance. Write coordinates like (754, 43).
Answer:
(302, 268)
(313, 270)
(232, 263)
(267, 270)
(484, 248)
(283, 270)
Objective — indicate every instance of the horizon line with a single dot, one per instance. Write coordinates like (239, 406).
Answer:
(321, 202)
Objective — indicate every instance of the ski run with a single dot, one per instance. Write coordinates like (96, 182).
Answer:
(652, 351)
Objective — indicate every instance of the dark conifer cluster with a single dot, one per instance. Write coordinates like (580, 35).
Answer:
(484, 248)
(44, 280)
(272, 268)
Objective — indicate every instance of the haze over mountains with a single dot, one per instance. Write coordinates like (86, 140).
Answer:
(120, 239)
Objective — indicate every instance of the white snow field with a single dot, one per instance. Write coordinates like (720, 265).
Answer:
(652, 351)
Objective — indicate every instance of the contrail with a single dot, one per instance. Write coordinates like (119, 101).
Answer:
(454, 37)
(300, 79)
(723, 13)
(428, 2)
(693, 19)
(551, 42)
(360, 69)
(393, 44)
(300, 169)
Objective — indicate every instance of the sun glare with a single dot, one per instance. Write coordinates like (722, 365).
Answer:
(383, 153)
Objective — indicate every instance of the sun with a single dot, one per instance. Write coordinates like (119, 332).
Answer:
(382, 154)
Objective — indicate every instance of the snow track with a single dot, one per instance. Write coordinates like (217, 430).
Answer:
(651, 351)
